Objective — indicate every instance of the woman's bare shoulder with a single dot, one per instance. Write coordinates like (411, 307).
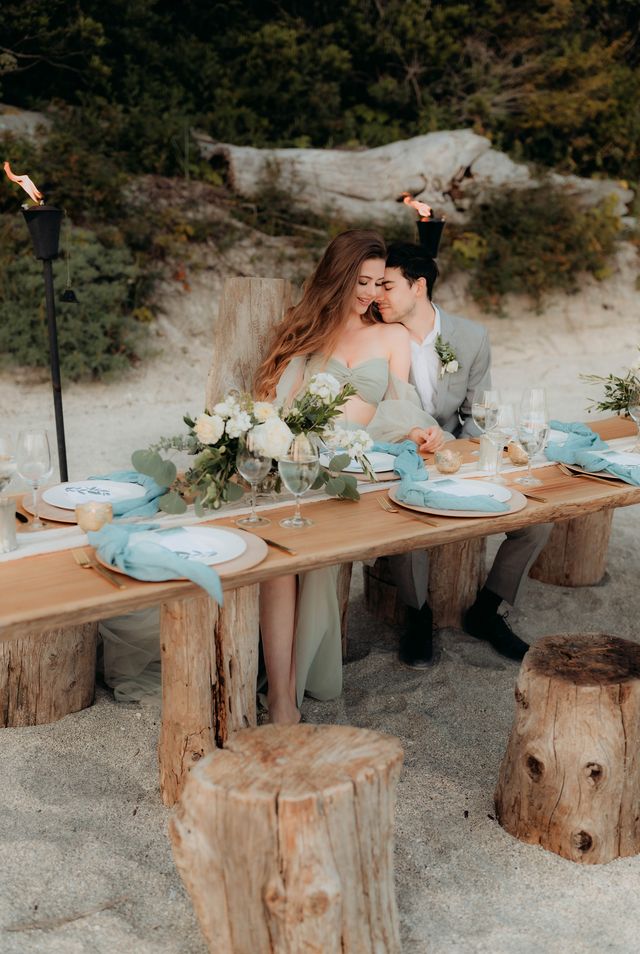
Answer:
(394, 335)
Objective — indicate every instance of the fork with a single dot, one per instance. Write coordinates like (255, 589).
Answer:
(85, 561)
(572, 473)
(384, 503)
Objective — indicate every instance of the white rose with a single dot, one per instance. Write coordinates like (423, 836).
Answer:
(226, 408)
(272, 439)
(451, 367)
(359, 443)
(336, 437)
(324, 386)
(209, 428)
(262, 411)
(239, 423)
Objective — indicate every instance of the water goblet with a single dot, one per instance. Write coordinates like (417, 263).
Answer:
(532, 435)
(484, 408)
(633, 408)
(299, 468)
(7, 461)
(253, 466)
(33, 457)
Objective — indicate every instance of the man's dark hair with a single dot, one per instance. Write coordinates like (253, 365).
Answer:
(414, 263)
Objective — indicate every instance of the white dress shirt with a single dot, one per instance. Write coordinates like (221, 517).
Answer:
(425, 366)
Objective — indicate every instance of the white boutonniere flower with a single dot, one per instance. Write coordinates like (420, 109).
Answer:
(449, 363)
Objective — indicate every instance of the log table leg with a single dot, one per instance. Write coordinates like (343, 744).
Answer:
(576, 552)
(46, 676)
(456, 573)
(570, 778)
(209, 674)
(284, 841)
(344, 585)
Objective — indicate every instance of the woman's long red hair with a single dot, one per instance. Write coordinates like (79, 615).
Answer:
(313, 325)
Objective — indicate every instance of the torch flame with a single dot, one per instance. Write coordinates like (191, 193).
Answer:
(26, 184)
(424, 211)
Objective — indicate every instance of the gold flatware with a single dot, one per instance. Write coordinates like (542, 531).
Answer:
(572, 473)
(85, 561)
(384, 503)
(278, 546)
(529, 496)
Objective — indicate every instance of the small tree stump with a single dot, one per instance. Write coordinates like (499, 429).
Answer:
(456, 573)
(570, 778)
(284, 840)
(46, 676)
(576, 552)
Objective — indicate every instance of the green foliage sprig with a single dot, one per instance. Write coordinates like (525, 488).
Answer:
(620, 391)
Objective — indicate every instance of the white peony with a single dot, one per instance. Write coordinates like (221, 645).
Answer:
(239, 423)
(272, 439)
(451, 367)
(226, 408)
(359, 442)
(263, 411)
(324, 386)
(209, 428)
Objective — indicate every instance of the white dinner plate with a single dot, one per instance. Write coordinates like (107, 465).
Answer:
(628, 458)
(73, 492)
(468, 488)
(380, 462)
(201, 544)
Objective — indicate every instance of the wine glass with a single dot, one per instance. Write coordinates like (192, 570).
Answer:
(253, 466)
(533, 405)
(503, 431)
(532, 435)
(484, 408)
(7, 461)
(299, 468)
(633, 408)
(33, 457)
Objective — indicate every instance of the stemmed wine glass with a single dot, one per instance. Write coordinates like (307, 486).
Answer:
(253, 466)
(484, 408)
(299, 468)
(7, 461)
(533, 429)
(499, 435)
(33, 457)
(633, 408)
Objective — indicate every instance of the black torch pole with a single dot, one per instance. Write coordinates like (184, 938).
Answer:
(54, 360)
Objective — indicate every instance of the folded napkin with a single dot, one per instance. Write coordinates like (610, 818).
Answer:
(138, 506)
(422, 495)
(586, 449)
(408, 462)
(150, 561)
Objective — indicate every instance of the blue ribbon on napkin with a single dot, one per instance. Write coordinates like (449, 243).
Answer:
(145, 506)
(149, 561)
(585, 448)
(408, 462)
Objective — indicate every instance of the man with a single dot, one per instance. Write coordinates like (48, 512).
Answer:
(450, 359)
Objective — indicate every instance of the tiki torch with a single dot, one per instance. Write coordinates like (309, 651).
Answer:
(43, 222)
(429, 227)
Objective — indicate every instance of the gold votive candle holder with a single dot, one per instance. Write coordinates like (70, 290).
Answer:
(447, 461)
(92, 515)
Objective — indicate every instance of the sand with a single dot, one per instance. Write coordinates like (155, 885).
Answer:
(85, 863)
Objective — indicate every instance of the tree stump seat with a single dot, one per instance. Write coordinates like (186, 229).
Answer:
(576, 552)
(284, 841)
(570, 777)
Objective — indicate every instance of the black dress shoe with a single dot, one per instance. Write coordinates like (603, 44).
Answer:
(496, 631)
(416, 643)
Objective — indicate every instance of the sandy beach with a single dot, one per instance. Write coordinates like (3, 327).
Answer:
(85, 862)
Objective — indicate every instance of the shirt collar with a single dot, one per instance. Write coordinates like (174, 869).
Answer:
(435, 331)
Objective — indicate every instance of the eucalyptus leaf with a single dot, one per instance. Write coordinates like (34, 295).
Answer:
(320, 480)
(339, 462)
(146, 461)
(335, 486)
(172, 503)
(197, 506)
(166, 473)
(234, 491)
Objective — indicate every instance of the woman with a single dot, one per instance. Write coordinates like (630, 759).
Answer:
(332, 329)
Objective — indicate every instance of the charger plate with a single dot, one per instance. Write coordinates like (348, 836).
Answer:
(47, 511)
(249, 548)
(515, 500)
(598, 474)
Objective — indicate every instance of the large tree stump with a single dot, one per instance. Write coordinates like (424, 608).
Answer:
(576, 552)
(344, 586)
(456, 573)
(570, 778)
(47, 675)
(284, 840)
(213, 677)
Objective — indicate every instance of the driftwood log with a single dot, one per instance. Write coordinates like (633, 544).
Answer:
(284, 841)
(570, 778)
(47, 675)
(576, 552)
(456, 573)
(213, 671)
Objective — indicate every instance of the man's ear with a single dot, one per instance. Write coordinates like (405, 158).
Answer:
(420, 285)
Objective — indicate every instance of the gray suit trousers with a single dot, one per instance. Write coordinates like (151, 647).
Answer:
(410, 571)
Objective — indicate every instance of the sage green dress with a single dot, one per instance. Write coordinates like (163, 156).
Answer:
(318, 643)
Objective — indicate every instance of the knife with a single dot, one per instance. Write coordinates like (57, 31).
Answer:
(278, 546)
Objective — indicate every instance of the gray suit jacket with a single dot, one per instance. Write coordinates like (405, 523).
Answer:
(454, 394)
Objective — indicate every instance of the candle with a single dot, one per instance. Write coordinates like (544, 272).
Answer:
(448, 461)
(92, 516)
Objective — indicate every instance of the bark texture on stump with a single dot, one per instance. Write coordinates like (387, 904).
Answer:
(576, 552)
(344, 586)
(570, 778)
(284, 840)
(213, 677)
(456, 573)
(45, 676)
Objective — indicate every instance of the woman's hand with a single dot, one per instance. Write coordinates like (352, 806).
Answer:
(428, 439)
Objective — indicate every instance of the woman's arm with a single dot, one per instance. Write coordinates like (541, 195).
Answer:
(398, 342)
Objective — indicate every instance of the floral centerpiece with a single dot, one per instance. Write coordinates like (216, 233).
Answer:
(214, 436)
(620, 391)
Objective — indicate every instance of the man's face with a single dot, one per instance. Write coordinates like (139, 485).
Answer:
(396, 298)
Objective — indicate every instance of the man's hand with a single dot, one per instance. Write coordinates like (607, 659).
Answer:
(428, 439)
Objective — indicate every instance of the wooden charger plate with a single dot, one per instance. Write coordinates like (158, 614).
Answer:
(516, 502)
(257, 551)
(48, 511)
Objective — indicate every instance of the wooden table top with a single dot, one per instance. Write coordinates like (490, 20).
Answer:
(51, 590)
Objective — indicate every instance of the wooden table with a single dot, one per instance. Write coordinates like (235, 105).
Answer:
(209, 653)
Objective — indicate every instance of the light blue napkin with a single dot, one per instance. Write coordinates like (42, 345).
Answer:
(422, 495)
(138, 506)
(408, 462)
(150, 561)
(585, 448)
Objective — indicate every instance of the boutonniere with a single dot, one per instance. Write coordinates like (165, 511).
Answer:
(448, 358)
